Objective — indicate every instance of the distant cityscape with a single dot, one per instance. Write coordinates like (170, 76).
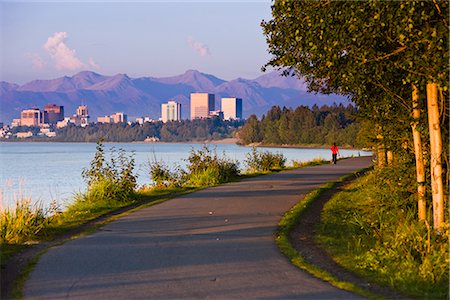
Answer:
(202, 106)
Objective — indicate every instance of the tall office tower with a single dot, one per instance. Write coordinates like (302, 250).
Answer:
(53, 113)
(31, 117)
(119, 117)
(232, 108)
(201, 105)
(83, 115)
(170, 111)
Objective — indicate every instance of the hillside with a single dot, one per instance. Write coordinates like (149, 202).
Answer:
(143, 96)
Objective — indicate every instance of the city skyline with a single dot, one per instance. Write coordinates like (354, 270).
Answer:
(47, 40)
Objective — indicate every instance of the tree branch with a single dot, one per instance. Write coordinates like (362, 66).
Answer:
(396, 51)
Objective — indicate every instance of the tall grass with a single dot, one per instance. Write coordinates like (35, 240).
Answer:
(264, 161)
(314, 162)
(372, 229)
(204, 168)
(23, 222)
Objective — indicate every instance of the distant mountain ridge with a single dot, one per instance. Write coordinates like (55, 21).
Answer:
(143, 96)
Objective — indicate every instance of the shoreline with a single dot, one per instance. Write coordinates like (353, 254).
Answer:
(225, 141)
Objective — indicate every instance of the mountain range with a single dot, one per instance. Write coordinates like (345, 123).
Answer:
(143, 96)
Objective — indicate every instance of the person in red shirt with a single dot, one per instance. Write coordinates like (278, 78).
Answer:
(334, 152)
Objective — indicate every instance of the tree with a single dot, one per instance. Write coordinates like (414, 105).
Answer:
(374, 52)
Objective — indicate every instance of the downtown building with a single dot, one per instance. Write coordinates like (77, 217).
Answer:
(117, 117)
(31, 117)
(170, 111)
(201, 105)
(53, 114)
(232, 108)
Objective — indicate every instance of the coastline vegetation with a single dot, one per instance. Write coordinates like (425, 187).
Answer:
(304, 126)
(174, 131)
(111, 185)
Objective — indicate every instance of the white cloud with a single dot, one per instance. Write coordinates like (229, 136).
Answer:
(63, 57)
(199, 47)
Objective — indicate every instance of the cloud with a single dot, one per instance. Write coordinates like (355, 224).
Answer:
(63, 57)
(199, 47)
(37, 61)
(93, 64)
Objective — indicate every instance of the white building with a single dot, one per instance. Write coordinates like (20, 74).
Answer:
(82, 116)
(232, 108)
(170, 111)
(201, 105)
(105, 119)
(119, 117)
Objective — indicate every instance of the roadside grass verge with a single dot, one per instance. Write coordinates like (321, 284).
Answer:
(287, 224)
(372, 230)
(18, 234)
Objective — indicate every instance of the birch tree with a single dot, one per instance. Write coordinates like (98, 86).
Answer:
(374, 52)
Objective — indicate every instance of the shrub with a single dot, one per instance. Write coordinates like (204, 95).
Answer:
(111, 180)
(206, 168)
(162, 176)
(265, 161)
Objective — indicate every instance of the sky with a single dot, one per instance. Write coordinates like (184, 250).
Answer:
(47, 40)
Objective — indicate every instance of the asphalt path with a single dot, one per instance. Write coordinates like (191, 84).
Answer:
(217, 243)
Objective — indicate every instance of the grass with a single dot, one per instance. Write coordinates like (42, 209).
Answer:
(286, 225)
(310, 163)
(20, 226)
(381, 240)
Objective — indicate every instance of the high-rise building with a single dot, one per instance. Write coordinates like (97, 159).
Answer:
(119, 117)
(170, 111)
(31, 117)
(201, 105)
(232, 108)
(82, 115)
(53, 113)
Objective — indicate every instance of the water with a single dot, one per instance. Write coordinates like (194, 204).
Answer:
(52, 171)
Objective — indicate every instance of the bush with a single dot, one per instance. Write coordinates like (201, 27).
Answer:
(265, 161)
(111, 180)
(161, 175)
(206, 168)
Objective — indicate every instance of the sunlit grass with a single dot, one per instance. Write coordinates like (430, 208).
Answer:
(385, 242)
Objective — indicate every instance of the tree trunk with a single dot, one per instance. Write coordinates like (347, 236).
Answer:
(381, 150)
(420, 166)
(390, 157)
(437, 187)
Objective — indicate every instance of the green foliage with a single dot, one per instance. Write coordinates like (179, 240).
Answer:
(303, 126)
(206, 168)
(111, 180)
(371, 228)
(22, 223)
(265, 161)
(163, 177)
(186, 130)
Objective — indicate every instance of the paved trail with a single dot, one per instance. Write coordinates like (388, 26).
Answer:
(217, 243)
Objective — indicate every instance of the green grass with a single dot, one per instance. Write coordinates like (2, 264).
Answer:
(367, 231)
(286, 225)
